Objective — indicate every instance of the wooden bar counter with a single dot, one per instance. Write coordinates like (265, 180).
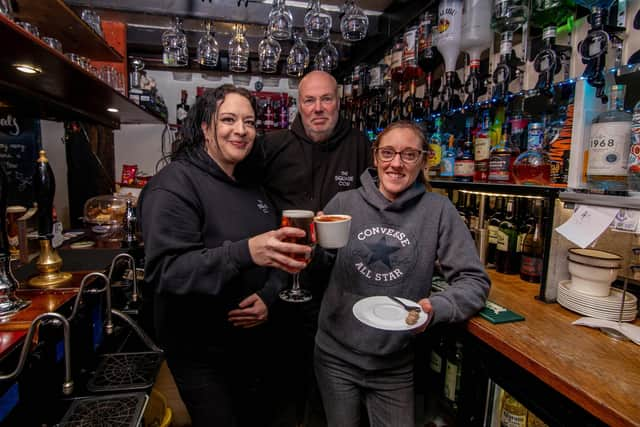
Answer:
(598, 373)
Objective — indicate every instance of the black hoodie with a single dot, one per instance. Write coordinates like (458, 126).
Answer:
(302, 174)
(196, 222)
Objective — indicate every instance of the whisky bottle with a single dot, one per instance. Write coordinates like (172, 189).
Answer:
(464, 166)
(507, 260)
(482, 149)
(532, 249)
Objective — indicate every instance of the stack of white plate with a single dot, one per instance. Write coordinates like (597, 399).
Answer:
(607, 307)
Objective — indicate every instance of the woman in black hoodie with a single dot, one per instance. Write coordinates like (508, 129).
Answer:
(210, 233)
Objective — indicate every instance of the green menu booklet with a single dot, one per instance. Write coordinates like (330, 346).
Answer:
(496, 313)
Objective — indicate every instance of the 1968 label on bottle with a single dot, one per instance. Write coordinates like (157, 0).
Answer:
(609, 148)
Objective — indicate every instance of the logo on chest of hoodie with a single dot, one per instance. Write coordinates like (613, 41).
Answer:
(264, 208)
(344, 179)
(383, 254)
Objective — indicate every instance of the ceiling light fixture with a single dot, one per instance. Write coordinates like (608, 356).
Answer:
(113, 110)
(27, 69)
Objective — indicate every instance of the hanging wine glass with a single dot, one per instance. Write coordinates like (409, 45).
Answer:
(280, 21)
(269, 54)
(298, 58)
(354, 23)
(317, 22)
(327, 58)
(174, 43)
(239, 51)
(208, 52)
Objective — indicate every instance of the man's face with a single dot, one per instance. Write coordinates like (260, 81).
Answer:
(319, 105)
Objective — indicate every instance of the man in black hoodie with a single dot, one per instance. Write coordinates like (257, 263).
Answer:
(304, 168)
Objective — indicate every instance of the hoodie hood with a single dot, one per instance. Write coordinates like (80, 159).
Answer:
(203, 161)
(340, 132)
(371, 193)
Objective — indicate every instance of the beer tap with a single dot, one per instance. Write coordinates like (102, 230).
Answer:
(57, 319)
(9, 302)
(132, 266)
(130, 226)
(106, 289)
(49, 262)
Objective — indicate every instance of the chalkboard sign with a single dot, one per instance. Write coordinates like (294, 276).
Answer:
(19, 146)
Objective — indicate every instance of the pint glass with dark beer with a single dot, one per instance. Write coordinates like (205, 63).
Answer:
(304, 220)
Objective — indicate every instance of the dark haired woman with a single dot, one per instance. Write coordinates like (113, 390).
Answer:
(398, 230)
(210, 234)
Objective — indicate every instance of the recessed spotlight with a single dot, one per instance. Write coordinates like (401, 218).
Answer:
(113, 110)
(27, 69)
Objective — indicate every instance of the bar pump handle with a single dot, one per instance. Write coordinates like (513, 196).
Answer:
(44, 185)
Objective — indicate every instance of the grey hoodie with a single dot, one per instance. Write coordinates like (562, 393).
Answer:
(392, 251)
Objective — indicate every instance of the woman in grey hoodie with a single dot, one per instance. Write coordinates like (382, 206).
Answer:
(398, 231)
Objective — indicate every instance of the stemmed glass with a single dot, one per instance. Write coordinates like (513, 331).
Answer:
(208, 51)
(327, 57)
(280, 21)
(303, 220)
(174, 41)
(298, 58)
(269, 54)
(354, 24)
(239, 51)
(317, 22)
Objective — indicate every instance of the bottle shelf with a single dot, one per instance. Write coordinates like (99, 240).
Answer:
(61, 90)
(498, 189)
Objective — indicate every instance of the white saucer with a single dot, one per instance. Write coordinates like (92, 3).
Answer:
(382, 313)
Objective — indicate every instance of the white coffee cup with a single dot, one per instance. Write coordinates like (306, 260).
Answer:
(332, 231)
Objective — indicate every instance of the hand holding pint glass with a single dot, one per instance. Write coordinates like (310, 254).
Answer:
(303, 220)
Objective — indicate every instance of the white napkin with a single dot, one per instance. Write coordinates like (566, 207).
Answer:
(630, 331)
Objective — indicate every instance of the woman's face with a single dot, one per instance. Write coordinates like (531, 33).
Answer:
(396, 174)
(234, 132)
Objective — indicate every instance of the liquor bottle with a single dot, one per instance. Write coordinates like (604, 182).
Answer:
(476, 37)
(130, 226)
(395, 107)
(504, 72)
(507, 242)
(634, 151)
(546, 13)
(500, 161)
(435, 150)
(410, 71)
(448, 44)
(492, 228)
(268, 115)
(452, 375)
(448, 161)
(437, 362)
(464, 167)
(482, 149)
(396, 59)
(292, 110)
(472, 215)
(427, 53)
(518, 135)
(547, 62)
(275, 105)
(409, 106)
(532, 167)
(533, 249)
(461, 207)
(609, 142)
(182, 109)
(508, 15)
(284, 114)
(513, 413)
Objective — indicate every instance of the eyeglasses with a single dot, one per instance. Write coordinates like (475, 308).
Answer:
(407, 156)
